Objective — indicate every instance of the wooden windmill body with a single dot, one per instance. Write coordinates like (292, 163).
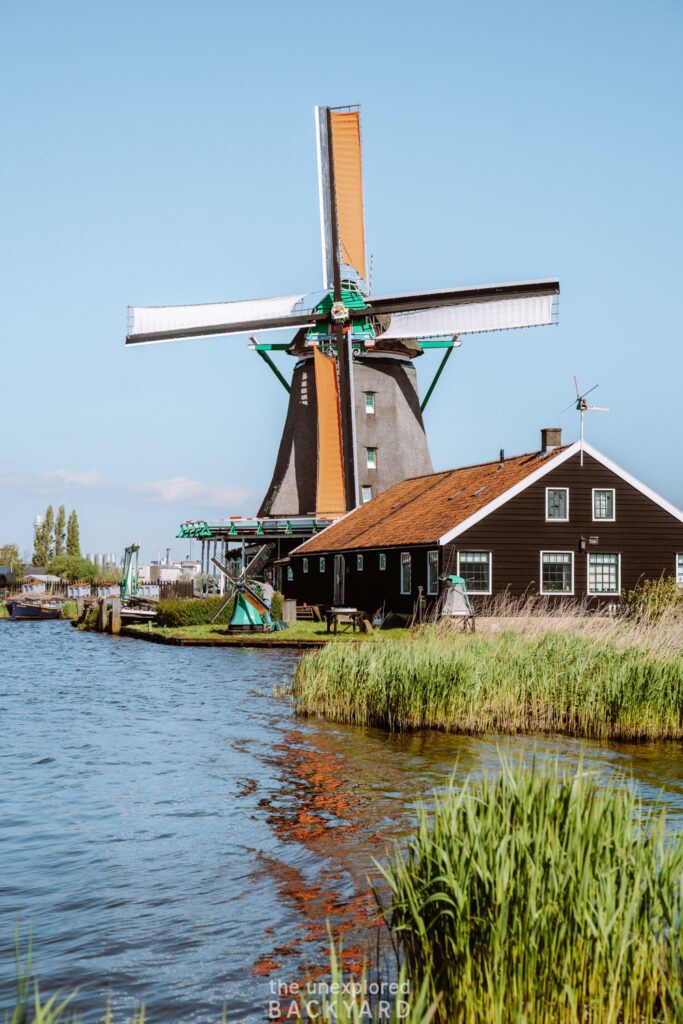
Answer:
(354, 423)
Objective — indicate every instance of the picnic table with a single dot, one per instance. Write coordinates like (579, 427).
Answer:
(348, 618)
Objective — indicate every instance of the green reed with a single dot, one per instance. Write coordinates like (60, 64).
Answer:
(344, 999)
(541, 899)
(556, 682)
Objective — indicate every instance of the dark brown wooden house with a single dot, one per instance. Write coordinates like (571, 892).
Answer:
(562, 522)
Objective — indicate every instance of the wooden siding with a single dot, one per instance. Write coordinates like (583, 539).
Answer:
(645, 536)
(368, 588)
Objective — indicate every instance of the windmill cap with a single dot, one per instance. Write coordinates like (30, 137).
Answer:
(551, 437)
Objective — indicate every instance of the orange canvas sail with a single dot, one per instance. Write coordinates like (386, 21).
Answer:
(348, 181)
(330, 498)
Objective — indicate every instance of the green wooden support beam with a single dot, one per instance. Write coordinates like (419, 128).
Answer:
(275, 347)
(438, 373)
(437, 344)
(266, 359)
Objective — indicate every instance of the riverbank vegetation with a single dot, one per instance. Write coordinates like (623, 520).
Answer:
(553, 682)
(178, 613)
(541, 898)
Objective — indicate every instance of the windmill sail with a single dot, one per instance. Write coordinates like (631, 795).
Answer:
(258, 561)
(348, 183)
(330, 499)
(324, 195)
(170, 323)
(474, 317)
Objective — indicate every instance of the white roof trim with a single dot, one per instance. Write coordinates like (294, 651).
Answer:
(553, 463)
(639, 486)
(549, 463)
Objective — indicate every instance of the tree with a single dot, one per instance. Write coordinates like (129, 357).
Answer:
(74, 569)
(41, 545)
(49, 525)
(9, 556)
(73, 543)
(60, 532)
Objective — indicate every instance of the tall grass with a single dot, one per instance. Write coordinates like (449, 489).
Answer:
(556, 682)
(651, 619)
(535, 900)
(345, 999)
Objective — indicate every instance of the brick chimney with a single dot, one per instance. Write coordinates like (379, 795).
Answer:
(551, 438)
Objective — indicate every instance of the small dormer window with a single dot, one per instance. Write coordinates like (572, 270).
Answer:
(322, 564)
(557, 504)
(359, 563)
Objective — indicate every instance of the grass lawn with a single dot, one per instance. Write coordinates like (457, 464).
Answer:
(304, 631)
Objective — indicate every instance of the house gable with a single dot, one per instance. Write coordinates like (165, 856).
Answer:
(645, 533)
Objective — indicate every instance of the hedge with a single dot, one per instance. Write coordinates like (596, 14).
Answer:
(197, 612)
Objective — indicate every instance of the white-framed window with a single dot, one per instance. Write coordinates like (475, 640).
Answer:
(359, 563)
(603, 504)
(406, 572)
(370, 402)
(382, 561)
(433, 572)
(557, 572)
(604, 573)
(290, 573)
(322, 564)
(475, 569)
(366, 492)
(679, 570)
(371, 456)
(304, 564)
(557, 504)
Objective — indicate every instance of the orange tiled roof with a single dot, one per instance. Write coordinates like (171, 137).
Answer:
(423, 508)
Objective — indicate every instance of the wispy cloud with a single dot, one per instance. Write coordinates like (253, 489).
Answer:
(53, 481)
(73, 480)
(191, 492)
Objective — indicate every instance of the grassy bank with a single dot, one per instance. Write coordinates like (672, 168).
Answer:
(307, 631)
(542, 900)
(555, 682)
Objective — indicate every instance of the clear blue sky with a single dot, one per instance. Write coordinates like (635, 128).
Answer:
(161, 153)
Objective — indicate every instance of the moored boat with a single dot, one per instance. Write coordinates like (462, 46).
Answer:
(20, 610)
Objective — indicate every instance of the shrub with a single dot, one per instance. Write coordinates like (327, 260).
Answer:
(69, 610)
(4, 611)
(73, 569)
(193, 612)
(536, 899)
(90, 620)
(276, 606)
(199, 611)
(653, 598)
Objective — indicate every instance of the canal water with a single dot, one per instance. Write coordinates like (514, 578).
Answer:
(173, 834)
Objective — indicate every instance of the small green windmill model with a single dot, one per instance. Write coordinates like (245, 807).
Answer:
(248, 613)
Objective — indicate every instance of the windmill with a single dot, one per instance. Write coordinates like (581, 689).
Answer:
(582, 406)
(249, 608)
(354, 422)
